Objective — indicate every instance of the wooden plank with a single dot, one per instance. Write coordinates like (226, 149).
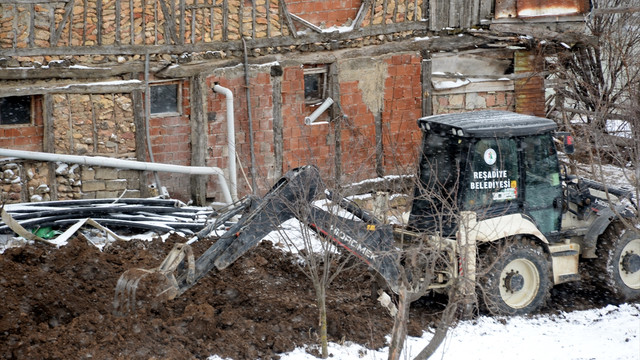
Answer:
(169, 23)
(616, 10)
(99, 25)
(267, 15)
(427, 86)
(306, 23)
(241, 18)
(118, 20)
(287, 16)
(362, 13)
(253, 20)
(193, 25)
(75, 88)
(52, 22)
(32, 30)
(132, 29)
(225, 20)
(183, 10)
(212, 21)
(485, 9)
(48, 140)
(84, 23)
(70, 72)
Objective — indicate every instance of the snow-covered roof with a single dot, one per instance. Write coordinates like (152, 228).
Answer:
(487, 123)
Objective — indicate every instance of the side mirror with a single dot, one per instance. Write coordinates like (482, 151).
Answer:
(568, 145)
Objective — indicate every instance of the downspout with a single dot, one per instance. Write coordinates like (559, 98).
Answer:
(231, 139)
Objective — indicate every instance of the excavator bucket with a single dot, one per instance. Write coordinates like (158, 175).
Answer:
(139, 288)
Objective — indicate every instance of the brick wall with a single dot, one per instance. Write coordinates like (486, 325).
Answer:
(25, 137)
(327, 13)
(403, 107)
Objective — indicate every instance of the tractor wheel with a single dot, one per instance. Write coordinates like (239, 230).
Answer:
(618, 264)
(517, 279)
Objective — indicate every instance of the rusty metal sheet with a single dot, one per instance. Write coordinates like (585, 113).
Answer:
(535, 8)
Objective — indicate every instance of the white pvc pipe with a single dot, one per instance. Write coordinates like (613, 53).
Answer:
(123, 164)
(231, 139)
(314, 116)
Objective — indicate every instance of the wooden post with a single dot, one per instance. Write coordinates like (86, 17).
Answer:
(141, 131)
(48, 142)
(278, 149)
(427, 86)
(198, 137)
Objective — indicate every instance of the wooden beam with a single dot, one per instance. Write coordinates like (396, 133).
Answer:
(169, 24)
(617, 10)
(105, 87)
(286, 15)
(218, 45)
(362, 13)
(67, 13)
(198, 122)
(433, 44)
(305, 23)
(69, 72)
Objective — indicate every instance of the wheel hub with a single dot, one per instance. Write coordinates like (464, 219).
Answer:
(514, 282)
(631, 262)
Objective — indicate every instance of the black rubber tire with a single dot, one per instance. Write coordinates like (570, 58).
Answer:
(515, 279)
(612, 270)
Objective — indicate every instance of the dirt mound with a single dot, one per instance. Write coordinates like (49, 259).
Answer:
(57, 304)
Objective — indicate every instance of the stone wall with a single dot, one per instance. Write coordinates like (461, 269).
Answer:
(111, 23)
(24, 181)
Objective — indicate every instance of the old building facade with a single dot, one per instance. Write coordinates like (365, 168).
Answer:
(137, 79)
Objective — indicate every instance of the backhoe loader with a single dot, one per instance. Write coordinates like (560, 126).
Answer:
(492, 209)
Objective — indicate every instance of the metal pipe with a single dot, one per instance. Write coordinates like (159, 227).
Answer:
(231, 139)
(123, 164)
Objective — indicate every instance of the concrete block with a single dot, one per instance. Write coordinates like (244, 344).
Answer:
(93, 185)
(106, 174)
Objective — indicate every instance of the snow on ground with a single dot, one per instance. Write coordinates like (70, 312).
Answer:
(610, 333)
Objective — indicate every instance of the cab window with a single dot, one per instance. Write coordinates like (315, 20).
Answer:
(493, 173)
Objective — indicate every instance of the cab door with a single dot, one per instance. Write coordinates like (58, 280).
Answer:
(542, 186)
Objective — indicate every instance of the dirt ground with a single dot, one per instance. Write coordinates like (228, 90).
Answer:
(57, 304)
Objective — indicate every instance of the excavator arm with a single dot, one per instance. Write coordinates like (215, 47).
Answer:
(291, 197)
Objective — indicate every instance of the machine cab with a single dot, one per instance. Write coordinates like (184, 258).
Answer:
(492, 162)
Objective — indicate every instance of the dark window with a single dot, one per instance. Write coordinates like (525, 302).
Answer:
(315, 84)
(493, 176)
(164, 98)
(15, 110)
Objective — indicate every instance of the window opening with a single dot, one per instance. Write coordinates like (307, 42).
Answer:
(165, 98)
(15, 110)
(315, 84)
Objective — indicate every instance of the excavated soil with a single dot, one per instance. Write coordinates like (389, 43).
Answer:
(58, 303)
